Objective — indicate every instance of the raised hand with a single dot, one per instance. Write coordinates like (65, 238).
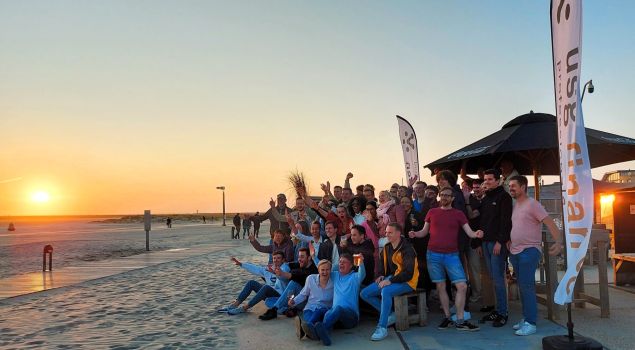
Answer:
(349, 176)
(272, 203)
(323, 187)
(238, 263)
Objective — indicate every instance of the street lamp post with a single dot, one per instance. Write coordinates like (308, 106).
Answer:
(222, 188)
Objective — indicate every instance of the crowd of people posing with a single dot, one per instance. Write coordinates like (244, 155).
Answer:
(326, 254)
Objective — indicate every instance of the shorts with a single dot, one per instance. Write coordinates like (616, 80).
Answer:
(440, 263)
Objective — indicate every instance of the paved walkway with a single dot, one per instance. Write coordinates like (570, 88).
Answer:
(90, 270)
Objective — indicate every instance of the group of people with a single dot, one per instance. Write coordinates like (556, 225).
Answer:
(245, 222)
(326, 255)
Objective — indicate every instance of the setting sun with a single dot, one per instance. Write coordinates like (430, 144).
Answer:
(40, 197)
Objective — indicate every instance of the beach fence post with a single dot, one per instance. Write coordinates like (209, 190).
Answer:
(48, 250)
(147, 223)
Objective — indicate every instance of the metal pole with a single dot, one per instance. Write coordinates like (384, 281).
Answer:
(224, 224)
(147, 240)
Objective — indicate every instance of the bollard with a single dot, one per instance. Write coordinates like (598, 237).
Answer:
(233, 229)
(48, 249)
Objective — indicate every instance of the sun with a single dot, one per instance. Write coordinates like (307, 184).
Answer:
(40, 197)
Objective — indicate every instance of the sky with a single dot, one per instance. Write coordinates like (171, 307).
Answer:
(114, 107)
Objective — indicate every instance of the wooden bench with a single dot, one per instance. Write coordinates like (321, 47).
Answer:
(404, 318)
(622, 276)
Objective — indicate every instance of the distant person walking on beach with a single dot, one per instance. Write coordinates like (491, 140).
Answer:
(203, 219)
(256, 221)
(168, 222)
(237, 225)
(246, 226)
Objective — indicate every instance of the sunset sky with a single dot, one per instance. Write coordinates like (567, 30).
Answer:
(113, 107)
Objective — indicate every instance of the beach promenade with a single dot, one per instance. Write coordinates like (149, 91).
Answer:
(168, 300)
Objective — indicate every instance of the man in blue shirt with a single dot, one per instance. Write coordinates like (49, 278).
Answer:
(345, 310)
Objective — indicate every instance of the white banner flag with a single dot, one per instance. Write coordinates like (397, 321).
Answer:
(409, 146)
(575, 168)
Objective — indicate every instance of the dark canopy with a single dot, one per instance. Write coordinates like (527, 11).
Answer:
(531, 142)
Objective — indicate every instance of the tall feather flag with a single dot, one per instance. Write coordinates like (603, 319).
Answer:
(575, 169)
(408, 140)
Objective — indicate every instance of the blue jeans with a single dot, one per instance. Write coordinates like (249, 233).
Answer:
(262, 292)
(293, 288)
(343, 317)
(496, 267)
(381, 298)
(525, 264)
(311, 317)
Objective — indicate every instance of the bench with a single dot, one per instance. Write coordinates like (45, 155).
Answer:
(626, 275)
(403, 318)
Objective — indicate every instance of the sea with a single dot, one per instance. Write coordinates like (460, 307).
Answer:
(87, 238)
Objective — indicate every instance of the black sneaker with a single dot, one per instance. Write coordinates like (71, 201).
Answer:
(489, 308)
(270, 314)
(467, 327)
(500, 321)
(446, 323)
(491, 317)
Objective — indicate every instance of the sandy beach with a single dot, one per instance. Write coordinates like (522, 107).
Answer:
(171, 305)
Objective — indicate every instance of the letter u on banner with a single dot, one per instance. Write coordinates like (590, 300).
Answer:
(408, 140)
(575, 168)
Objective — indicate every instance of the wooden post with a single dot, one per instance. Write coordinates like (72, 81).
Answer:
(603, 279)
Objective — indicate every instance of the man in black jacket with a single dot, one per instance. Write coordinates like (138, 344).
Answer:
(358, 244)
(496, 223)
(300, 270)
(280, 206)
(330, 248)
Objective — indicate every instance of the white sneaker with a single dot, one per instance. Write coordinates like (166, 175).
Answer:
(391, 319)
(519, 324)
(380, 333)
(526, 329)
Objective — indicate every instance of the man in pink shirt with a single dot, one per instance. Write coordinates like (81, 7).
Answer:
(525, 248)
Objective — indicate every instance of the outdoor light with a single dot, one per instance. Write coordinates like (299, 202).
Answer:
(591, 88)
(607, 199)
(222, 188)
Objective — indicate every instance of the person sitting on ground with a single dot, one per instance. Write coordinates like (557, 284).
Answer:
(273, 287)
(443, 224)
(318, 294)
(280, 242)
(358, 244)
(345, 310)
(399, 274)
(297, 275)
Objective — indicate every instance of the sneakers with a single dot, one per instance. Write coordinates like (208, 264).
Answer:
(299, 331)
(489, 308)
(519, 324)
(467, 327)
(526, 329)
(380, 333)
(491, 317)
(391, 319)
(500, 321)
(235, 311)
(270, 314)
(446, 323)
(225, 309)
(322, 333)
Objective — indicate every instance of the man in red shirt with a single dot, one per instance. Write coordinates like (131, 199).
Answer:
(444, 224)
